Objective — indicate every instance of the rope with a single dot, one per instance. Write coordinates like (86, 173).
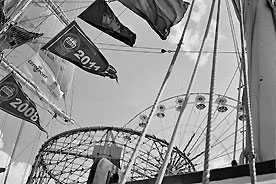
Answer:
(206, 171)
(237, 120)
(252, 167)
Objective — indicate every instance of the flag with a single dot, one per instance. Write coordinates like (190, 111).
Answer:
(15, 102)
(73, 45)
(237, 8)
(3, 19)
(62, 69)
(16, 36)
(2, 169)
(161, 15)
(35, 69)
(272, 6)
(100, 15)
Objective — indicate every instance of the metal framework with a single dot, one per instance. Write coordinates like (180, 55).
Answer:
(68, 157)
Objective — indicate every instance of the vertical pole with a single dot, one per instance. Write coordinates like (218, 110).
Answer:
(13, 150)
(249, 130)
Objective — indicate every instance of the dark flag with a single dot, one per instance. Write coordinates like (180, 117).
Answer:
(272, 5)
(100, 15)
(2, 169)
(15, 102)
(161, 15)
(16, 36)
(3, 19)
(73, 45)
(237, 8)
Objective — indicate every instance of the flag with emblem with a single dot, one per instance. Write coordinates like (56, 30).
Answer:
(100, 15)
(161, 15)
(15, 102)
(40, 74)
(16, 36)
(73, 45)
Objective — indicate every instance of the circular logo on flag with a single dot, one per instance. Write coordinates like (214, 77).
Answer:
(70, 42)
(8, 91)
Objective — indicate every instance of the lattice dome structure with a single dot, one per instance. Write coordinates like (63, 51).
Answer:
(68, 156)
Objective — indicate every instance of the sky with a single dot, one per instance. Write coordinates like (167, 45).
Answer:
(98, 101)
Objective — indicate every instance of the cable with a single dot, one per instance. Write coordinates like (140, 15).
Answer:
(206, 170)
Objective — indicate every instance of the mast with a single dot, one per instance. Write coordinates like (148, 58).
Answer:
(261, 47)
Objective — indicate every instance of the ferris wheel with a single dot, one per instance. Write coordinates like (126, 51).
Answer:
(228, 127)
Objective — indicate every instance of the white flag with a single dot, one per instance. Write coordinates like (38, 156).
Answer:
(62, 69)
(36, 70)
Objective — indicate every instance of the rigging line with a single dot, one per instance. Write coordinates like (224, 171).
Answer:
(32, 153)
(238, 57)
(220, 155)
(159, 52)
(252, 155)
(217, 142)
(205, 128)
(14, 149)
(202, 139)
(77, 6)
(231, 81)
(3, 123)
(232, 28)
(46, 16)
(190, 115)
(206, 170)
(149, 48)
(224, 119)
(198, 127)
(237, 116)
(20, 153)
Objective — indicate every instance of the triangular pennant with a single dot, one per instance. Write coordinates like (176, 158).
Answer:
(3, 19)
(161, 15)
(15, 102)
(73, 45)
(100, 15)
(16, 36)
